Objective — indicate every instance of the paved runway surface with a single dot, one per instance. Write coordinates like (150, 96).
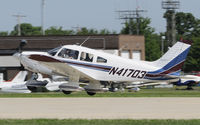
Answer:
(100, 108)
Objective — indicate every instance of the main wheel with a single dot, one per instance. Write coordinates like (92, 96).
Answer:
(91, 93)
(67, 92)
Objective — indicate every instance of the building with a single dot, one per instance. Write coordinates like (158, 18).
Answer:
(127, 46)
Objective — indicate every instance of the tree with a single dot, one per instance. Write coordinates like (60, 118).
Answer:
(26, 30)
(152, 40)
(85, 31)
(4, 33)
(144, 28)
(58, 31)
(185, 23)
(152, 47)
(193, 60)
(188, 27)
(104, 31)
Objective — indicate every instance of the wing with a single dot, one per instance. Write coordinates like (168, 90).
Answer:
(141, 84)
(64, 69)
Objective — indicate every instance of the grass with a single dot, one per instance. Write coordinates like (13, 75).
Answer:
(166, 92)
(98, 122)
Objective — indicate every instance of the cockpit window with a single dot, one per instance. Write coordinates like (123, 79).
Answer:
(86, 57)
(68, 53)
(54, 51)
(101, 60)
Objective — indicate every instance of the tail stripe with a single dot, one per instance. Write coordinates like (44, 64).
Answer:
(176, 61)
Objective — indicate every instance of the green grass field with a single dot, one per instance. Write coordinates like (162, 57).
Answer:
(167, 92)
(98, 122)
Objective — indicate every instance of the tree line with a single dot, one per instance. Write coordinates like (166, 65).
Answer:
(187, 27)
(30, 30)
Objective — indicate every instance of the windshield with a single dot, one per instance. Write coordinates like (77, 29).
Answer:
(54, 51)
(69, 53)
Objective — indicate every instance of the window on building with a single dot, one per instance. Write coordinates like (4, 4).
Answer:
(68, 54)
(86, 57)
(101, 60)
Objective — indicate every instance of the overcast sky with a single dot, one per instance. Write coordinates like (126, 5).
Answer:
(98, 14)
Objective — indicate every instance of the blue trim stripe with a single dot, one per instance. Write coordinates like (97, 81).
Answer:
(177, 73)
(159, 78)
(181, 57)
(89, 66)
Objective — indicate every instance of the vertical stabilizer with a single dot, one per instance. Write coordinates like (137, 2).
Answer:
(172, 61)
(20, 77)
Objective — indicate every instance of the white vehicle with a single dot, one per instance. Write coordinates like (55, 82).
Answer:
(17, 84)
(81, 63)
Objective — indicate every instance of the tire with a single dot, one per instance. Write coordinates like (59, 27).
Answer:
(67, 92)
(91, 93)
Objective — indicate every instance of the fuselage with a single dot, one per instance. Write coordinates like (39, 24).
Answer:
(90, 63)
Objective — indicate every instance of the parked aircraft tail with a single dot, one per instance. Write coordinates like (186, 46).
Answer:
(172, 61)
(20, 77)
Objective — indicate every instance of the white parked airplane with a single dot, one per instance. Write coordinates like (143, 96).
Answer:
(17, 84)
(81, 63)
(40, 84)
(188, 80)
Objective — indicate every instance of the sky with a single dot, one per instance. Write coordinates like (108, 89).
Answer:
(97, 14)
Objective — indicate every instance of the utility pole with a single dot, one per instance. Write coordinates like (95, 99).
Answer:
(42, 16)
(77, 28)
(170, 6)
(130, 15)
(19, 23)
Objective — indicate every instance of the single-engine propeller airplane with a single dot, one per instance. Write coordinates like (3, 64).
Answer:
(84, 64)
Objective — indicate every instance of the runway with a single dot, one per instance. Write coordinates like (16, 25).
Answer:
(100, 108)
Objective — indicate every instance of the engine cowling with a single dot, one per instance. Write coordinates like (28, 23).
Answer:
(37, 86)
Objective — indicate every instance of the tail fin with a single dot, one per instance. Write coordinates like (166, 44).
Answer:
(20, 77)
(172, 61)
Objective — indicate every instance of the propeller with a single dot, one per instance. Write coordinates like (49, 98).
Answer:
(19, 51)
(21, 45)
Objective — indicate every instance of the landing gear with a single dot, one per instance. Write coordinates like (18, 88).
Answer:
(189, 88)
(66, 92)
(91, 93)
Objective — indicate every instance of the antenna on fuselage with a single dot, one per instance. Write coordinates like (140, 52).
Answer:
(85, 40)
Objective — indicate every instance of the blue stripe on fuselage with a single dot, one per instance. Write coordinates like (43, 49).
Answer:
(89, 65)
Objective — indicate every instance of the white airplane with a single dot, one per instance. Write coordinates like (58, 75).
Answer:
(188, 80)
(41, 84)
(17, 84)
(84, 64)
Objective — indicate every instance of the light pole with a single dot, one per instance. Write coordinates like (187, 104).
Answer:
(162, 44)
(19, 23)
(170, 6)
(42, 17)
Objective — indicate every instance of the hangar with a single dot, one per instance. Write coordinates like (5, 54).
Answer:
(127, 46)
